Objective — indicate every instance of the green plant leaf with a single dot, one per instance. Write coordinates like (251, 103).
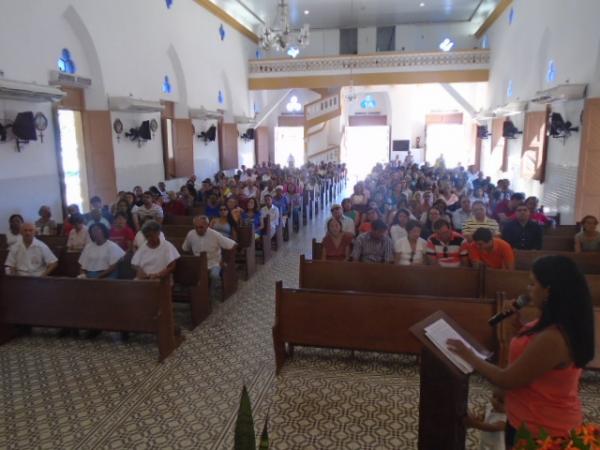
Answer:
(263, 443)
(245, 439)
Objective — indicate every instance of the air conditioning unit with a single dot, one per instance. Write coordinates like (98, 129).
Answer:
(511, 109)
(561, 93)
(66, 79)
(130, 104)
(244, 120)
(204, 114)
(485, 114)
(31, 92)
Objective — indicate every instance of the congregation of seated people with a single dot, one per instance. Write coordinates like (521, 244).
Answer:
(407, 214)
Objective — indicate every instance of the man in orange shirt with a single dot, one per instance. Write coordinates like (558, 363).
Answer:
(491, 252)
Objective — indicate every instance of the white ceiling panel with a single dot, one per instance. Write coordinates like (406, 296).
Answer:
(358, 13)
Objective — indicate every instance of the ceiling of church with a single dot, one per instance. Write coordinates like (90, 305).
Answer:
(359, 13)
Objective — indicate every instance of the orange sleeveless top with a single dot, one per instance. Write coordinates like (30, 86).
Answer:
(550, 402)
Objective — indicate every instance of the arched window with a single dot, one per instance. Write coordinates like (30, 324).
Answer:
(65, 62)
(166, 86)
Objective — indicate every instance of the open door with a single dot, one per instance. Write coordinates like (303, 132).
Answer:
(183, 147)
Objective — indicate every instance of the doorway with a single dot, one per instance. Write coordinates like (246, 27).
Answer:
(363, 148)
(289, 141)
(72, 156)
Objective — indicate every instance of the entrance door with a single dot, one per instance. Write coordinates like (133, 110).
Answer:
(289, 141)
(72, 154)
(364, 148)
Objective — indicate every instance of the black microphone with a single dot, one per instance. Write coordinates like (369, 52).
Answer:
(523, 300)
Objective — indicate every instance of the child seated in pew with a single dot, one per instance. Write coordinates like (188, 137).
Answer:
(491, 424)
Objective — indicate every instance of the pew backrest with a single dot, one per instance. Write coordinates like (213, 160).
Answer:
(388, 278)
(558, 243)
(588, 262)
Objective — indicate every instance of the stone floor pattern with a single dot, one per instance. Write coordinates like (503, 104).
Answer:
(105, 394)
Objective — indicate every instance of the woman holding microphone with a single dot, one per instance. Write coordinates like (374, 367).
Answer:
(547, 356)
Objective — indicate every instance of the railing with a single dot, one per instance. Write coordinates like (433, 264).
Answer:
(322, 107)
(371, 61)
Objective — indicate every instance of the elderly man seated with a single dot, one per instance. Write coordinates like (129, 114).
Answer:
(157, 257)
(337, 212)
(205, 239)
(374, 246)
(30, 256)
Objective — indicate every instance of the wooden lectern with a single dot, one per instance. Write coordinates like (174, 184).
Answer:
(443, 398)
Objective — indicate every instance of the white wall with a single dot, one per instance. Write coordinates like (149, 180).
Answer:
(126, 48)
(206, 154)
(544, 30)
(28, 179)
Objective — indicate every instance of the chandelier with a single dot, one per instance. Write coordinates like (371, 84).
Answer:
(279, 36)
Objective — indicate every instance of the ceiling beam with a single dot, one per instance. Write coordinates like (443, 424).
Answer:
(228, 19)
(496, 13)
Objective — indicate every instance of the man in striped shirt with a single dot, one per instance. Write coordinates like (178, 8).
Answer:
(446, 248)
(374, 246)
(479, 220)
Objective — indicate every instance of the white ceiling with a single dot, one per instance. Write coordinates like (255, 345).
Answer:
(359, 13)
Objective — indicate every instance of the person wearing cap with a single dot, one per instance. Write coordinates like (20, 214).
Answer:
(374, 246)
(337, 212)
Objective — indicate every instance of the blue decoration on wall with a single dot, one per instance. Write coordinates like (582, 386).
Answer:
(222, 32)
(509, 89)
(166, 86)
(551, 75)
(221, 98)
(65, 62)
(511, 16)
(258, 54)
(169, 3)
(485, 43)
(255, 108)
(368, 103)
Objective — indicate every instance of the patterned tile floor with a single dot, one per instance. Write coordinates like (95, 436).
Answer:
(106, 394)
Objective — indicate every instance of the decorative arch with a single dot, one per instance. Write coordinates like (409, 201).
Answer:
(179, 74)
(96, 96)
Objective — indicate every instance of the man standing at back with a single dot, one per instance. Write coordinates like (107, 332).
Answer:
(205, 239)
(30, 256)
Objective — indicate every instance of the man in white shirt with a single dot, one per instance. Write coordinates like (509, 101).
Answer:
(205, 239)
(460, 216)
(268, 190)
(30, 257)
(148, 211)
(156, 258)
(348, 225)
(273, 212)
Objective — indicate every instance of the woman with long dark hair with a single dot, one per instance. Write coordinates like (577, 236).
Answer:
(548, 355)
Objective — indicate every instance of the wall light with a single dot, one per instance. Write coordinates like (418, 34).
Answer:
(446, 45)
(293, 52)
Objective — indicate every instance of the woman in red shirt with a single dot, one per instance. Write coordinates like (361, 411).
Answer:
(546, 358)
(120, 233)
(337, 245)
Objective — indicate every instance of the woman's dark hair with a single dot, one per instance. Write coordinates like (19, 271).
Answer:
(569, 305)
(412, 224)
(74, 219)
(104, 229)
(396, 220)
(120, 214)
(20, 217)
(333, 219)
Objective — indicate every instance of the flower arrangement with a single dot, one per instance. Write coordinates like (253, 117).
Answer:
(586, 437)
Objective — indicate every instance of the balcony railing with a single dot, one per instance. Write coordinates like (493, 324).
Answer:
(377, 62)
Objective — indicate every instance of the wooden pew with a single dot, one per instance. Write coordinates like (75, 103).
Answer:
(514, 283)
(558, 243)
(192, 286)
(110, 305)
(3, 242)
(367, 321)
(264, 249)
(317, 249)
(388, 278)
(246, 255)
(563, 230)
(229, 273)
(588, 262)
(176, 230)
(187, 221)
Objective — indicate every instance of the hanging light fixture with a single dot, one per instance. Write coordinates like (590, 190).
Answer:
(279, 35)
